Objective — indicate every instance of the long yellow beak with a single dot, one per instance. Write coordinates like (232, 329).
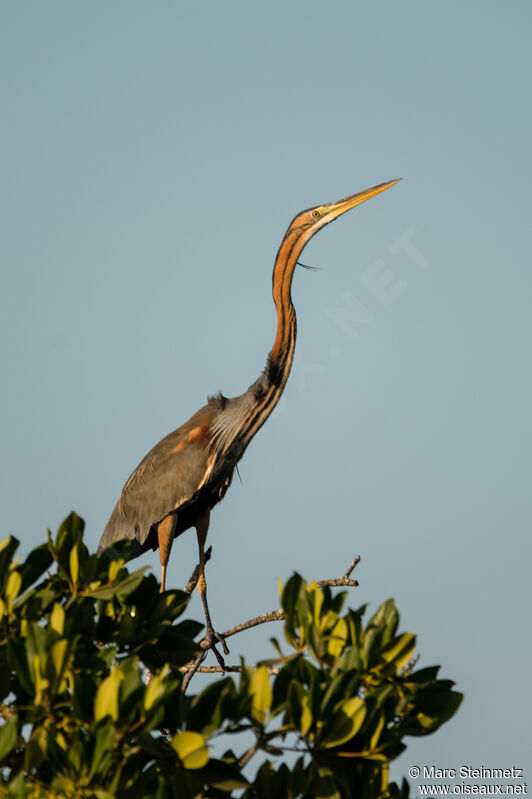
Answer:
(333, 210)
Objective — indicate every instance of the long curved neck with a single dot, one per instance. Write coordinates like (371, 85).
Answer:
(282, 354)
(270, 385)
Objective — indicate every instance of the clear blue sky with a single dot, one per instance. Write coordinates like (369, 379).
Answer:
(151, 158)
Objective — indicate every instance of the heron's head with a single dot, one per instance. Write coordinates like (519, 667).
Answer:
(308, 222)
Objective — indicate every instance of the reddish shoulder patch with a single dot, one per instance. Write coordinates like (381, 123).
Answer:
(193, 437)
(202, 431)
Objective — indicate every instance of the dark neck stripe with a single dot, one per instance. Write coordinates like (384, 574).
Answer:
(278, 369)
(260, 412)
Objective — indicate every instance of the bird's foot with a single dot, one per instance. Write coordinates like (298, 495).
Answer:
(211, 638)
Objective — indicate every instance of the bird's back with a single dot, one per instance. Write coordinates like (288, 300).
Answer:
(166, 478)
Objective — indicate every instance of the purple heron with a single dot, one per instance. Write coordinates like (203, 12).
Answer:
(187, 473)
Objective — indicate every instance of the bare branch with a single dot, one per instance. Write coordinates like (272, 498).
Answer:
(338, 583)
(273, 615)
(279, 615)
(220, 670)
(246, 757)
(345, 579)
(190, 669)
(262, 742)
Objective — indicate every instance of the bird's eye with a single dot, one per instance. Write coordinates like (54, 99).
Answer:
(316, 213)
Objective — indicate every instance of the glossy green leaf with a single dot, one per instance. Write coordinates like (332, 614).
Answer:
(106, 700)
(427, 674)
(74, 565)
(299, 707)
(13, 586)
(37, 562)
(386, 619)
(345, 684)
(155, 688)
(36, 748)
(72, 526)
(114, 569)
(261, 694)
(121, 589)
(374, 777)
(207, 709)
(18, 660)
(305, 722)
(290, 595)
(8, 547)
(324, 785)
(38, 669)
(345, 722)
(435, 706)
(8, 736)
(223, 776)
(103, 749)
(57, 618)
(315, 598)
(337, 638)
(6, 684)
(400, 650)
(191, 749)
(17, 788)
(270, 783)
(356, 628)
(59, 656)
(378, 725)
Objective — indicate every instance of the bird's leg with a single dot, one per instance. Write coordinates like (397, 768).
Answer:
(165, 534)
(202, 525)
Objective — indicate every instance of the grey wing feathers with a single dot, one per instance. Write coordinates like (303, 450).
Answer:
(166, 477)
(192, 466)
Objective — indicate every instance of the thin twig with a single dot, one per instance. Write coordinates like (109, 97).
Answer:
(191, 669)
(345, 579)
(279, 615)
(338, 582)
(262, 742)
(273, 615)
(246, 757)
(220, 670)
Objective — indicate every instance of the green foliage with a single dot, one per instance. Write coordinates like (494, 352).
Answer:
(91, 700)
